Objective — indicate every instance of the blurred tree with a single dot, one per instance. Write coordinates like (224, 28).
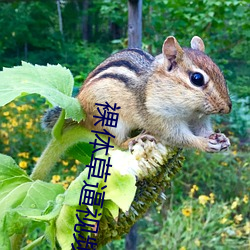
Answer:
(134, 23)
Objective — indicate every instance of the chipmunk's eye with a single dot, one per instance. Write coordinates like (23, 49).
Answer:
(197, 79)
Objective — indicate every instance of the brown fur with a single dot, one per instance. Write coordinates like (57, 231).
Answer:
(156, 95)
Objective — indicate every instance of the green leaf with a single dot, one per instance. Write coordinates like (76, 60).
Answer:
(6, 186)
(34, 243)
(53, 82)
(39, 194)
(72, 194)
(120, 189)
(23, 200)
(9, 168)
(81, 151)
(112, 207)
(65, 226)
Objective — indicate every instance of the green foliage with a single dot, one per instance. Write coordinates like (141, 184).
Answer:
(198, 224)
(52, 82)
(19, 199)
(30, 32)
(27, 199)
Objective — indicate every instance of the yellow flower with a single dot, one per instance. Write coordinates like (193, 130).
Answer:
(203, 199)
(238, 233)
(224, 164)
(73, 168)
(35, 159)
(223, 235)
(29, 124)
(197, 242)
(235, 203)
(238, 218)
(12, 105)
(6, 141)
(245, 199)
(234, 152)
(70, 178)
(247, 227)
(187, 211)
(77, 162)
(223, 220)
(183, 248)
(4, 134)
(14, 123)
(193, 190)
(23, 164)
(211, 195)
(65, 163)
(24, 154)
(6, 113)
(65, 185)
(55, 178)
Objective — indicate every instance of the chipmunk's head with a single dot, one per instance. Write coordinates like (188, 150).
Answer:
(197, 75)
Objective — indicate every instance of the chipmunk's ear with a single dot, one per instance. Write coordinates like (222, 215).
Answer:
(197, 43)
(171, 49)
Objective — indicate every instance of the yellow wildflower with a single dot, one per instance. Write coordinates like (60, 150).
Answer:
(55, 178)
(245, 199)
(23, 164)
(73, 168)
(234, 152)
(183, 248)
(6, 113)
(24, 154)
(14, 123)
(70, 178)
(193, 190)
(187, 211)
(29, 124)
(6, 141)
(238, 233)
(203, 199)
(224, 164)
(77, 162)
(211, 195)
(223, 220)
(12, 105)
(35, 159)
(235, 203)
(223, 235)
(238, 218)
(197, 242)
(65, 185)
(247, 227)
(65, 163)
(4, 134)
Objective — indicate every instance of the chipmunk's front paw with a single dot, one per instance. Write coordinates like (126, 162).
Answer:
(141, 139)
(218, 142)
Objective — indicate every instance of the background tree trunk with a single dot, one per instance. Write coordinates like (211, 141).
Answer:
(134, 41)
(85, 21)
(59, 16)
(131, 238)
(135, 23)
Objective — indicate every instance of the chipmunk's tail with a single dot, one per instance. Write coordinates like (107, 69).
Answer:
(50, 117)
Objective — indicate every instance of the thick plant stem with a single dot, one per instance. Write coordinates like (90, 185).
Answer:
(52, 153)
(56, 147)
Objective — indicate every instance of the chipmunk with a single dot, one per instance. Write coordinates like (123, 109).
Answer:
(170, 97)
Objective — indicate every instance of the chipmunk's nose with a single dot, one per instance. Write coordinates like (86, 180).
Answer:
(227, 108)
